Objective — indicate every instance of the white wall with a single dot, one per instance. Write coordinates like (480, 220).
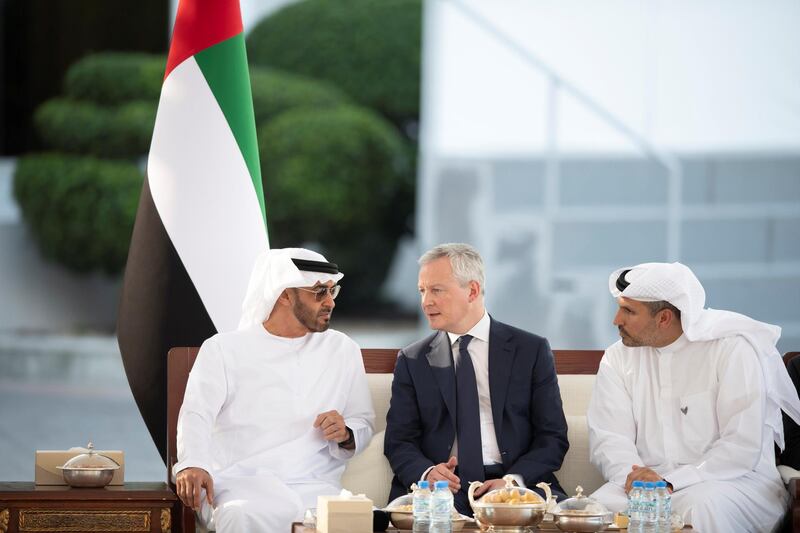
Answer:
(567, 138)
(711, 75)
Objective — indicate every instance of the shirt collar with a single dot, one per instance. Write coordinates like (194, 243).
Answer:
(479, 331)
(677, 345)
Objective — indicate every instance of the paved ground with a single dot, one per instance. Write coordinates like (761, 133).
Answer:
(62, 391)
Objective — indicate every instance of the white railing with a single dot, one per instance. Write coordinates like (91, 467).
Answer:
(556, 84)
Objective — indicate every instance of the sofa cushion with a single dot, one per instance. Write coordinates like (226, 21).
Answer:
(577, 470)
(380, 387)
(369, 472)
(576, 391)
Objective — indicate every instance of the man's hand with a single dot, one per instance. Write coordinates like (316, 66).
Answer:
(489, 484)
(445, 472)
(641, 473)
(332, 425)
(189, 483)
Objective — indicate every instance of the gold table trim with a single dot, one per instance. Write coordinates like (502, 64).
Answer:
(60, 520)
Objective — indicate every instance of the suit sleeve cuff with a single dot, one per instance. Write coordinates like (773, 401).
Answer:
(518, 480)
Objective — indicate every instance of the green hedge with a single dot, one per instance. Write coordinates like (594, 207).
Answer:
(111, 78)
(275, 91)
(336, 177)
(334, 174)
(81, 210)
(368, 48)
(85, 128)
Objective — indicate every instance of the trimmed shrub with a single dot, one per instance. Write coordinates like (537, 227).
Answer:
(335, 177)
(86, 128)
(111, 78)
(275, 91)
(80, 209)
(368, 48)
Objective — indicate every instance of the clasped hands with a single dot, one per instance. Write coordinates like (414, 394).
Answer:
(190, 482)
(446, 472)
(642, 473)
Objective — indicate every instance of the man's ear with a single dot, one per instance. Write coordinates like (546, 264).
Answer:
(665, 318)
(474, 290)
(284, 299)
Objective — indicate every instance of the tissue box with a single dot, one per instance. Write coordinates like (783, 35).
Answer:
(344, 514)
(47, 461)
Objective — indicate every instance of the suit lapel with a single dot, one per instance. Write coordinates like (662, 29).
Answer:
(501, 360)
(440, 358)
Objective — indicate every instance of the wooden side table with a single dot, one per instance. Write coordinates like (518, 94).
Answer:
(132, 507)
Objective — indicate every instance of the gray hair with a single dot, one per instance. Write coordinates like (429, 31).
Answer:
(465, 261)
(655, 307)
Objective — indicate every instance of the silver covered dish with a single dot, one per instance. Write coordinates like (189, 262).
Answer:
(90, 469)
(581, 514)
(512, 508)
(400, 512)
(402, 516)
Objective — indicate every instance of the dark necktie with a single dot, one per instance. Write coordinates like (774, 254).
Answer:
(468, 424)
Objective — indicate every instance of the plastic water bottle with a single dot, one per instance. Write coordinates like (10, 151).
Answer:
(635, 507)
(441, 504)
(421, 507)
(663, 508)
(649, 517)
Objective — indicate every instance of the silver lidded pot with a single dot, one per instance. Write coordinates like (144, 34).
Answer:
(512, 508)
(581, 514)
(402, 516)
(90, 469)
(400, 511)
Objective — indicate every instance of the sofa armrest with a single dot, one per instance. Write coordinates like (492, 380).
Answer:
(788, 474)
(791, 478)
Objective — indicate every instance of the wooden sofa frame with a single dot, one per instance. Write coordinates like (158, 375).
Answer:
(376, 361)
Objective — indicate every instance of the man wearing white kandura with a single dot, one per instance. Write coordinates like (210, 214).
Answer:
(273, 411)
(692, 396)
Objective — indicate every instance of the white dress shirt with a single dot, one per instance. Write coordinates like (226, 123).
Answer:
(478, 349)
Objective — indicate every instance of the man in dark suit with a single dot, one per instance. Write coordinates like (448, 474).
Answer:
(476, 400)
(791, 431)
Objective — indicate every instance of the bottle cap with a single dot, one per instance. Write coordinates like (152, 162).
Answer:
(661, 484)
(441, 484)
(638, 483)
(649, 485)
(423, 484)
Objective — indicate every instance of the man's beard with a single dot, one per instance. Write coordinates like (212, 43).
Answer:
(311, 320)
(647, 338)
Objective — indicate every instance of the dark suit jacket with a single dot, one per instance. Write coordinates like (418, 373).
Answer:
(791, 431)
(526, 407)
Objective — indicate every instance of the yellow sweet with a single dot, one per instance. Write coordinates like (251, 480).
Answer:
(511, 497)
(402, 508)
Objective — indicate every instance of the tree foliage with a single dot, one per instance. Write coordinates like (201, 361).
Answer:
(368, 48)
(80, 209)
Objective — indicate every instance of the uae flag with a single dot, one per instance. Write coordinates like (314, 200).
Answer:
(201, 220)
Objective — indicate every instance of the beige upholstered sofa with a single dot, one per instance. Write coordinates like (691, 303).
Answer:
(369, 472)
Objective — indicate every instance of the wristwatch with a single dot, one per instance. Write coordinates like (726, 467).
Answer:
(350, 439)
